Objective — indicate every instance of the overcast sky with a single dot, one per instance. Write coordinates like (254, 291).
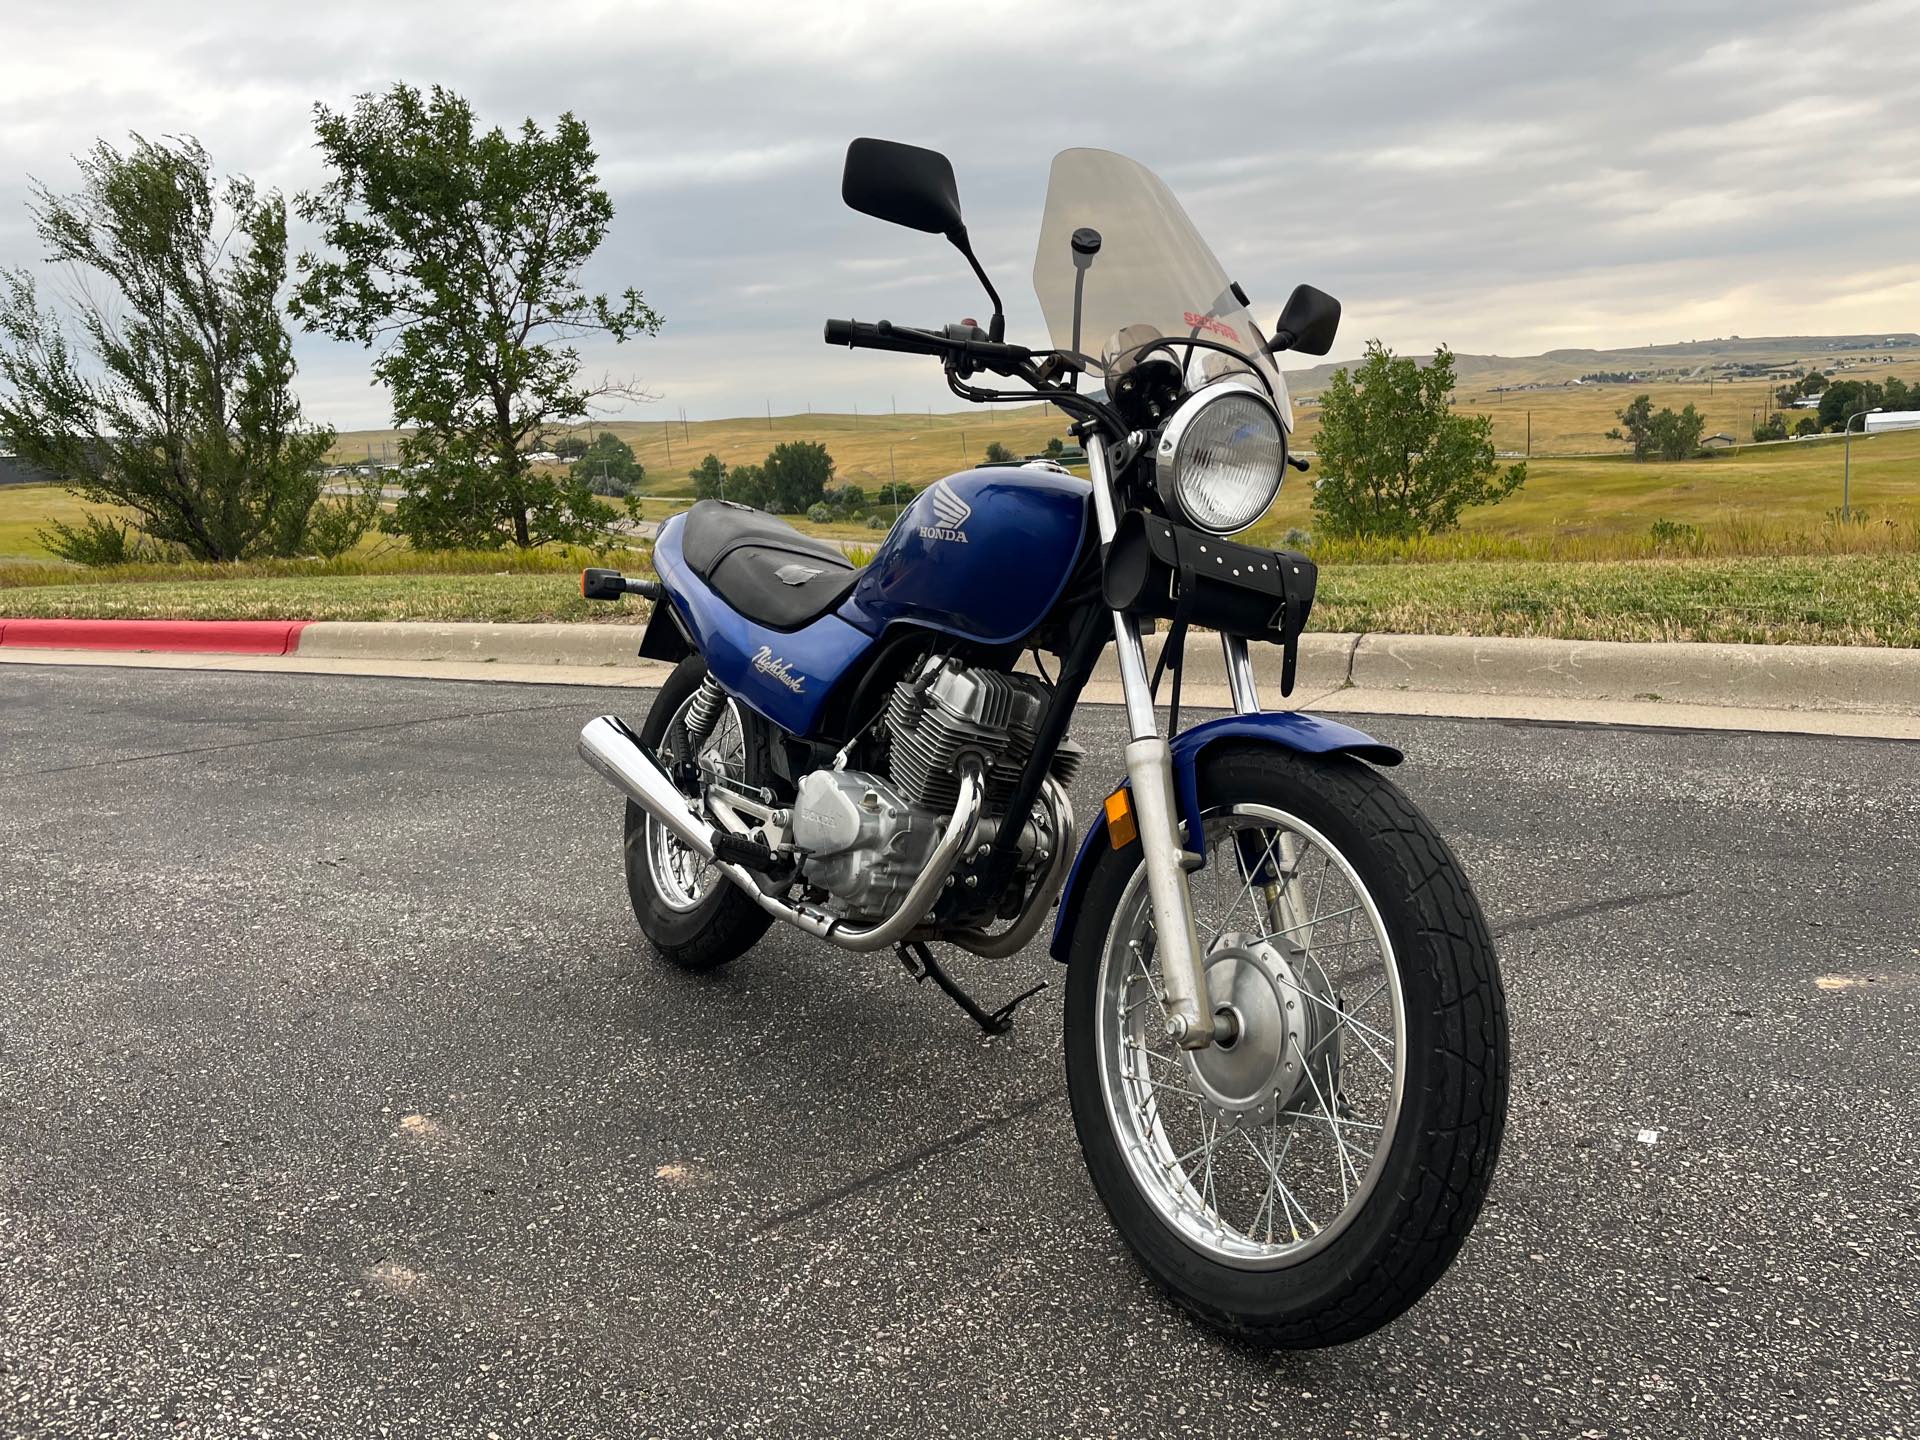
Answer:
(1500, 177)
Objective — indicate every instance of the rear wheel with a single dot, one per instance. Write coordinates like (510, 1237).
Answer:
(692, 914)
(1306, 1179)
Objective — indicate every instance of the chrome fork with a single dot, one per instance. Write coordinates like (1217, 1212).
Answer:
(1183, 973)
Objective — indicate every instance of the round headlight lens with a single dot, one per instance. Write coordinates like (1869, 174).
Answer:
(1221, 458)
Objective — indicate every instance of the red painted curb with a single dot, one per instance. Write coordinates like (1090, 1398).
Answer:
(207, 637)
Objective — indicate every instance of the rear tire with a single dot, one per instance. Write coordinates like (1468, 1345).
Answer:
(721, 923)
(1419, 1175)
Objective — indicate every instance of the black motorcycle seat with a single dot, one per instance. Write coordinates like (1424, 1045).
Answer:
(762, 567)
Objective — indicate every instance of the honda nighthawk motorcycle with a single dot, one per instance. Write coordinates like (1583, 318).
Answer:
(1285, 1041)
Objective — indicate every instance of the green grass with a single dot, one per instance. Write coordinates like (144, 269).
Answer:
(1848, 599)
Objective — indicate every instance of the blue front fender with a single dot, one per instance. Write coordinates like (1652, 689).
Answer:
(1288, 729)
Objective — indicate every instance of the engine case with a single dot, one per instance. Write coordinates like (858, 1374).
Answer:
(864, 842)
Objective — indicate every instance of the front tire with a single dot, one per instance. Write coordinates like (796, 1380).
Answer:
(1305, 1184)
(694, 917)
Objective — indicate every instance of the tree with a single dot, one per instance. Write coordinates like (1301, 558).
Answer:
(998, 454)
(459, 253)
(1677, 436)
(1807, 426)
(709, 479)
(1056, 447)
(846, 499)
(1844, 399)
(168, 389)
(569, 447)
(747, 485)
(1774, 427)
(1669, 435)
(607, 467)
(1638, 420)
(1898, 395)
(1394, 458)
(796, 476)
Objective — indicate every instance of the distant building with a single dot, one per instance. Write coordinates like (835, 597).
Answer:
(1716, 442)
(15, 471)
(1893, 420)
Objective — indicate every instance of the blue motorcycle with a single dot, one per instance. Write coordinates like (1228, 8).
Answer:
(1286, 1040)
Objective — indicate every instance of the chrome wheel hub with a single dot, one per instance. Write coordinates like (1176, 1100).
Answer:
(1269, 1032)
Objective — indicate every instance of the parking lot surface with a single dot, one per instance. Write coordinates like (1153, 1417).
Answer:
(340, 1096)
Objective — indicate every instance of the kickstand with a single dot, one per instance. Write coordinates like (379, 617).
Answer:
(921, 965)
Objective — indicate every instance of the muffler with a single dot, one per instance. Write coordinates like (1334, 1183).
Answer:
(611, 748)
(616, 752)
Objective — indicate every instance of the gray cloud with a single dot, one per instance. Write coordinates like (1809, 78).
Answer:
(1510, 177)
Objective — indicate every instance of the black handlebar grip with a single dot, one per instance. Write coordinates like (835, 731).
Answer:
(839, 332)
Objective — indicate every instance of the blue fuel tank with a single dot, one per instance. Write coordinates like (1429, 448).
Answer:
(983, 555)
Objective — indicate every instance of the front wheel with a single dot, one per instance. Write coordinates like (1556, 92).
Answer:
(1304, 1180)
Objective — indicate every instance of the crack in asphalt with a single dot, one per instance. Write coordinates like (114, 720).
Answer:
(910, 1161)
(1519, 924)
(280, 740)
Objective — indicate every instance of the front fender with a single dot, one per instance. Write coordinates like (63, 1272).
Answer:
(1288, 729)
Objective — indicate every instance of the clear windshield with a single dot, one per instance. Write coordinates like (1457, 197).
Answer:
(1153, 278)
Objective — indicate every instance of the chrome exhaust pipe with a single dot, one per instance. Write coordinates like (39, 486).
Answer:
(611, 748)
(616, 752)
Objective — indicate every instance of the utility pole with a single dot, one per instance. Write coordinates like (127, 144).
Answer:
(1529, 434)
(769, 417)
(666, 433)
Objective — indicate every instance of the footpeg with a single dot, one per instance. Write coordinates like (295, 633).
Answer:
(920, 964)
(750, 854)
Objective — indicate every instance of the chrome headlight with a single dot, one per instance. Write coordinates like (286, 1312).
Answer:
(1222, 456)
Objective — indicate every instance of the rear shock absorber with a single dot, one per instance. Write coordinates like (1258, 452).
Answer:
(703, 711)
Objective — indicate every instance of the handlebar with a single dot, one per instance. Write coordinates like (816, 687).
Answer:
(956, 342)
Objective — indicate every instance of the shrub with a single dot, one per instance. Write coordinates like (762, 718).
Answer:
(1675, 535)
(820, 512)
(876, 522)
(96, 542)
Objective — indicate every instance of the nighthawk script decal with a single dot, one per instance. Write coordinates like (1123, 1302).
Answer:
(772, 666)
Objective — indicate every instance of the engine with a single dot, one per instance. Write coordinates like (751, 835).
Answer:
(864, 838)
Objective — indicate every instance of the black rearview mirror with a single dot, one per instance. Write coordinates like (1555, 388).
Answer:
(1308, 324)
(903, 185)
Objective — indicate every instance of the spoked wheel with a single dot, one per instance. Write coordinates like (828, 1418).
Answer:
(1308, 1176)
(693, 914)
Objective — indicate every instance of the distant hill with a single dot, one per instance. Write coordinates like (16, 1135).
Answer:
(1731, 357)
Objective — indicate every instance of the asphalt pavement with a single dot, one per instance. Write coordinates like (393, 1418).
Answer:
(339, 1096)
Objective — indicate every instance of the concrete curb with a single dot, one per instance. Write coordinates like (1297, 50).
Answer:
(1825, 678)
(583, 644)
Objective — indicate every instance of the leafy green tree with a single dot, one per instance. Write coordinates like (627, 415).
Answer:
(998, 453)
(1056, 447)
(796, 476)
(1774, 427)
(168, 387)
(1637, 419)
(1896, 394)
(1812, 383)
(1668, 434)
(1844, 399)
(570, 447)
(847, 499)
(709, 479)
(1807, 426)
(1676, 436)
(458, 252)
(608, 467)
(1394, 458)
(748, 485)
(894, 492)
